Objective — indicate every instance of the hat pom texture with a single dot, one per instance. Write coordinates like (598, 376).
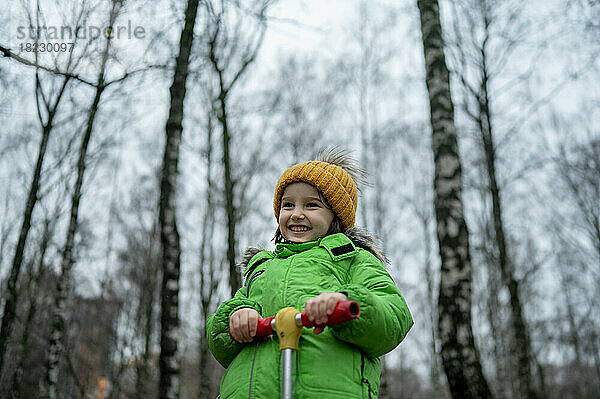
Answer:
(337, 186)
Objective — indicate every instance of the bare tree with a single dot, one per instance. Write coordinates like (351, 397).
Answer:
(481, 14)
(55, 348)
(169, 235)
(493, 308)
(576, 229)
(47, 106)
(33, 283)
(579, 170)
(424, 216)
(145, 317)
(140, 268)
(459, 354)
(420, 198)
(207, 268)
(230, 52)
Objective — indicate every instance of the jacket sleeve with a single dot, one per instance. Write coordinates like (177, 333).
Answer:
(384, 316)
(222, 346)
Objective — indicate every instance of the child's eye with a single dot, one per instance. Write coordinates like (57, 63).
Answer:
(287, 205)
(312, 204)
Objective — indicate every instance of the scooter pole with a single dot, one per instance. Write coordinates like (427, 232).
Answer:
(288, 332)
(288, 324)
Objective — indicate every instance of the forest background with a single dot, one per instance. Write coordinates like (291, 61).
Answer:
(109, 265)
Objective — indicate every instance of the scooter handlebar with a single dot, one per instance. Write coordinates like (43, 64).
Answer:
(343, 311)
(264, 328)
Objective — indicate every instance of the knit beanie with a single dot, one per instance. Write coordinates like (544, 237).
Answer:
(334, 182)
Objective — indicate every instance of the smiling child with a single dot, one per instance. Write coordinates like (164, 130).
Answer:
(320, 259)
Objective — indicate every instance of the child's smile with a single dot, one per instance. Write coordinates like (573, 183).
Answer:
(304, 216)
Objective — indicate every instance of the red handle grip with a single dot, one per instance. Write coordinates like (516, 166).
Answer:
(343, 311)
(263, 328)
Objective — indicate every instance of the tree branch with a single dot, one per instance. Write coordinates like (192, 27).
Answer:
(8, 53)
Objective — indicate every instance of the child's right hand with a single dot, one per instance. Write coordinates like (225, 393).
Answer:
(242, 324)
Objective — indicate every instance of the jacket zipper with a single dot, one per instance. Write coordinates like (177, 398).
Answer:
(255, 265)
(258, 273)
(363, 380)
(252, 371)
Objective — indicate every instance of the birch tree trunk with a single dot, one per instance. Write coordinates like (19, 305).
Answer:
(169, 235)
(459, 354)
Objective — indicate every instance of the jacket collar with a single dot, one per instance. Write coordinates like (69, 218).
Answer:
(283, 250)
(354, 236)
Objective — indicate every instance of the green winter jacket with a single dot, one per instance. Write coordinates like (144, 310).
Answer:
(341, 362)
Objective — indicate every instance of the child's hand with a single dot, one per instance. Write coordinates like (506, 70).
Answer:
(242, 324)
(318, 308)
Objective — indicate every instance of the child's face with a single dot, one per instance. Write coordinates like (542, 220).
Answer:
(303, 215)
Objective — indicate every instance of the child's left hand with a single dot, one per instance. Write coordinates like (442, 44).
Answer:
(318, 308)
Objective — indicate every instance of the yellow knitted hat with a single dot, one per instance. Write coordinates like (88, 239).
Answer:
(334, 182)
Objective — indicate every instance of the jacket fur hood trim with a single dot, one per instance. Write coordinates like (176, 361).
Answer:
(359, 237)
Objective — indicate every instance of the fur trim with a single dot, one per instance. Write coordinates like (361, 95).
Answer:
(360, 237)
(247, 255)
(363, 239)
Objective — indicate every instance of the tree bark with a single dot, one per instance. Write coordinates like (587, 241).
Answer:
(169, 235)
(459, 354)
